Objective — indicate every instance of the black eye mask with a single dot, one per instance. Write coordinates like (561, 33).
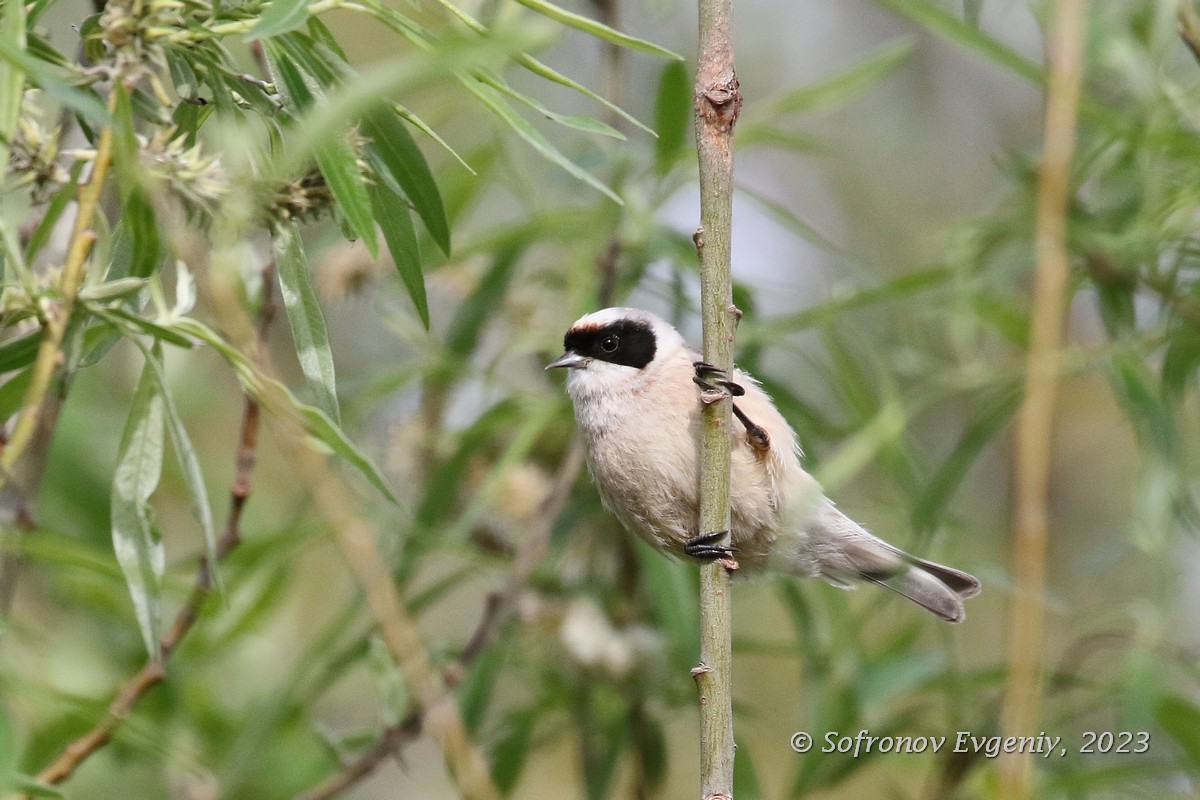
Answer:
(627, 342)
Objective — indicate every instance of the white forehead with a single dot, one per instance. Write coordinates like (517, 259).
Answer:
(607, 316)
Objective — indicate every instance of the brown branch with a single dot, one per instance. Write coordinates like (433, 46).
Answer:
(394, 736)
(153, 673)
(1026, 619)
(497, 608)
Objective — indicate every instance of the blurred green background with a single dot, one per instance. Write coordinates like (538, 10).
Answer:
(883, 253)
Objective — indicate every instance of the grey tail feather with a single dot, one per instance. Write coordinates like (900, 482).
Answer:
(934, 587)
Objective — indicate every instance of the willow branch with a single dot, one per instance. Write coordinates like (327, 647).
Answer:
(339, 508)
(1035, 421)
(497, 608)
(717, 105)
(58, 316)
(153, 673)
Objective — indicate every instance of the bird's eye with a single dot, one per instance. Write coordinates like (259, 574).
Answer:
(609, 344)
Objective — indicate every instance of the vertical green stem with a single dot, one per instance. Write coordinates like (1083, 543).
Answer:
(1026, 636)
(718, 103)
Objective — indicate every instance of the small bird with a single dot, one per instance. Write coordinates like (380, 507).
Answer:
(633, 382)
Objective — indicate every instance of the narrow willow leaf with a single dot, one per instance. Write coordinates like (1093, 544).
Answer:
(112, 290)
(744, 775)
(423, 127)
(316, 423)
(843, 85)
(9, 751)
(136, 540)
(163, 332)
(322, 428)
(280, 16)
(943, 22)
(544, 71)
(597, 29)
(32, 787)
(306, 320)
(575, 121)
(189, 464)
(489, 97)
(993, 416)
(395, 155)
(12, 392)
(53, 213)
(339, 166)
(394, 220)
(672, 114)
(21, 351)
(12, 76)
(293, 85)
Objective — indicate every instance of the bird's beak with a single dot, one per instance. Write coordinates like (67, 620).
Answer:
(570, 360)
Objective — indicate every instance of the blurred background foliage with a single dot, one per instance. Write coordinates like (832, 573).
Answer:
(430, 194)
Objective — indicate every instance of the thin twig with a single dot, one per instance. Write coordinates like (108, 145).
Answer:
(394, 736)
(59, 317)
(1035, 422)
(153, 673)
(497, 608)
(718, 104)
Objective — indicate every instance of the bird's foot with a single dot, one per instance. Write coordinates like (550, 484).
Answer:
(705, 546)
(715, 383)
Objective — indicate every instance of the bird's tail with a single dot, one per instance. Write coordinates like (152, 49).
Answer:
(842, 550)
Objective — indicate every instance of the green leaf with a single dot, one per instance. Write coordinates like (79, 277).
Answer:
(1181, 362)
(316, 423)
(54, 211)
(339, 165)
(939, 20)
(490, 98)
(597, 29)
(744, 776)
(163, 332)
(477, 309)
(12, 76)
(321, 427)
(543, 71)
(9, 751)
(995, 412)
(189, 464)
(306, 320)
(12, 392)
(841, 86)
(396, 224)
(297, 88)
(512, 750)
(1181, 720)
(280, 16)
(32, 787)
(575, 121)
(395, 155)
(672, 114)
(136, 539)
(21, 351)
(478, 686)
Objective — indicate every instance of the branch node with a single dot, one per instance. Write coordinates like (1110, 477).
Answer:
(698, 238)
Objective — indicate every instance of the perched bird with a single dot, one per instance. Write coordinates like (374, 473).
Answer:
(633, 381)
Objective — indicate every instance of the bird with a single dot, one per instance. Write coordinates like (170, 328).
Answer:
(636, 387)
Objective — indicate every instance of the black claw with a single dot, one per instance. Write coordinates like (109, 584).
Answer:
(719, 378)
(705, 546)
